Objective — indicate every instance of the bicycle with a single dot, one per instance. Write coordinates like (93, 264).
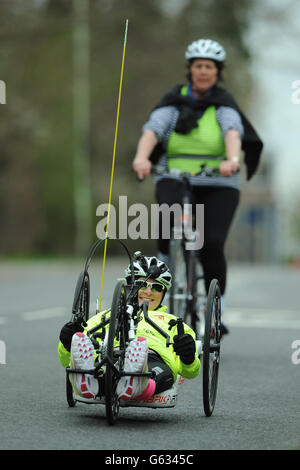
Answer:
(187, 295)
(118, 327)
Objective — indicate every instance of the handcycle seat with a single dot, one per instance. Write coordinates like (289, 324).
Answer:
(166, 399)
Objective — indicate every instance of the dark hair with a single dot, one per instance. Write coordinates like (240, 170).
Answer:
(219, 65)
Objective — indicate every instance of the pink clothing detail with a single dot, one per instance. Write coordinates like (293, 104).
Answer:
(148, 392)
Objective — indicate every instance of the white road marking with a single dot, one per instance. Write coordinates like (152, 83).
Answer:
(262, 318)
(239, 318)
(44, 314)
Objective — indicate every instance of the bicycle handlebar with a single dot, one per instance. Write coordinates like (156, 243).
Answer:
(175, 172)
(205, 171)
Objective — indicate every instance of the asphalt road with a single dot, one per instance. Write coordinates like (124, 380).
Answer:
(258, 396)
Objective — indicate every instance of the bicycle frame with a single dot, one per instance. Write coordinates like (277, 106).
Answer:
(187, 235)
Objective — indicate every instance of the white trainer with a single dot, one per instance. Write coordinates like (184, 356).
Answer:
(82, 357)
(136, 360)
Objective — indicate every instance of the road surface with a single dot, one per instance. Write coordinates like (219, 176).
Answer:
(258, 396)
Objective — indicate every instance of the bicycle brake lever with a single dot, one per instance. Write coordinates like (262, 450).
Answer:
(180, 328)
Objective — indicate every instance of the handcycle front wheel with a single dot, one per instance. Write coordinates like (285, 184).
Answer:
(115, 331)
(211, 347)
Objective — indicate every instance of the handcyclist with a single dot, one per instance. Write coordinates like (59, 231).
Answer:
(194, 124)
(147, 351)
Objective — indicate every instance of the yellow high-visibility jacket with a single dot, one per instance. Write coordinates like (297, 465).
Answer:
(156, 341)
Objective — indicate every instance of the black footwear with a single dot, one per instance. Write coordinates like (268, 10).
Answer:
(223, 330)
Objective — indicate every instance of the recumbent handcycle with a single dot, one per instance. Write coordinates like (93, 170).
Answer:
(119, 324)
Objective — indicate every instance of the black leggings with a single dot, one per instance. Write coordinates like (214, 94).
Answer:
(220, 204)
(163, 374)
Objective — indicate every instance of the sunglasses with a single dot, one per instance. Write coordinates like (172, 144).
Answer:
(154, 286)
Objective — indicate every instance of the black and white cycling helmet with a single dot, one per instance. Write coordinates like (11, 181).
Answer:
(205, 49)
(145, 265)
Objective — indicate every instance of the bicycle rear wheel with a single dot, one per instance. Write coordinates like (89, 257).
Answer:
(116, 331)
(177, 266)
(211, 347)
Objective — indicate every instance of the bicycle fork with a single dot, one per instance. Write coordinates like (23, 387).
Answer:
(189, 236)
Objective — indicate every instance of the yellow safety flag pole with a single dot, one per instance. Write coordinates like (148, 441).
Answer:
(113, 160)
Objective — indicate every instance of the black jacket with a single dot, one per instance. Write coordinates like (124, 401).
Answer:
(189, 114)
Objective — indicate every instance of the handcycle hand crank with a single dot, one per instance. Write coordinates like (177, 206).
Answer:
(180, 327)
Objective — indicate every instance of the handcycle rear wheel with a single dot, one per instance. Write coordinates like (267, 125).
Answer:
(81, 302)
(80, 311)
(69, 392)
(116, 331)
(211, 347)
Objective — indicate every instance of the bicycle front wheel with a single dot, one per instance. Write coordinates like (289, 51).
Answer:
(211, 347)
(81, 302)
(177, 266)
(199, 302)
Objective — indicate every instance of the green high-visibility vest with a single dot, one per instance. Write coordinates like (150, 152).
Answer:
(202, 145)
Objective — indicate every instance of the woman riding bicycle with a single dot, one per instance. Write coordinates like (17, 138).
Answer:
(148, 351)
(196, 124)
